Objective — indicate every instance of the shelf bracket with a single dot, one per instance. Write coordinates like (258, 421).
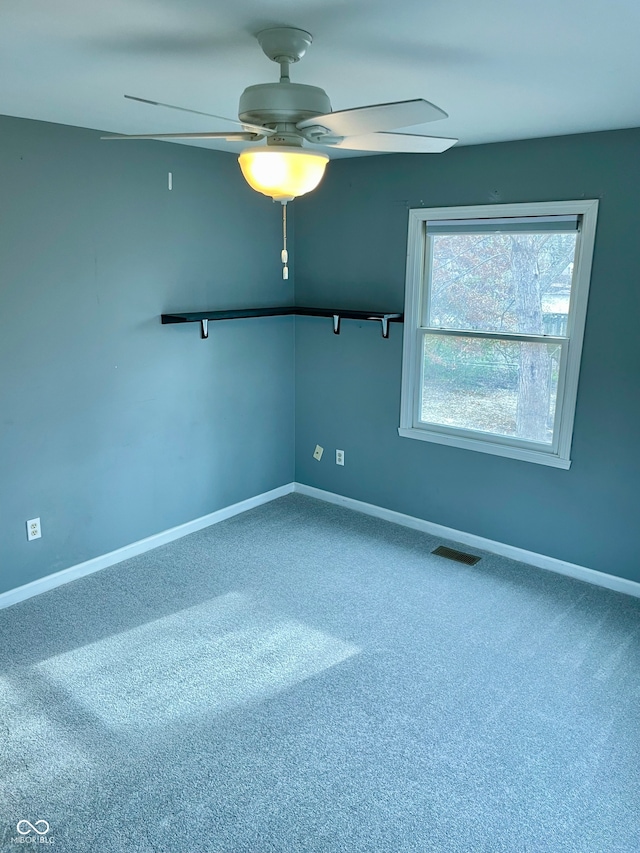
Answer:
(204, 329)
(384, 321)
(336, 324)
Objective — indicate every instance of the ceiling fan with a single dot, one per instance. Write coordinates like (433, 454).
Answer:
(291, 116)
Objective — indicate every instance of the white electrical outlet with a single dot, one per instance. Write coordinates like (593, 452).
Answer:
(33, 529)
(317, 453)
(339, 457)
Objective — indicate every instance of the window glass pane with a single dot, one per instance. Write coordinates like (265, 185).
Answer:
(502, 387)
(501, 282)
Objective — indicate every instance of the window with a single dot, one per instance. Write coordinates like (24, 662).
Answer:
(495, 307)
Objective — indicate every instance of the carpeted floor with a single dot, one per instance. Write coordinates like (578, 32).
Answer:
(306, 678)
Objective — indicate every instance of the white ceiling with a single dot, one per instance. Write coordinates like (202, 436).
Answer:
(502, 69)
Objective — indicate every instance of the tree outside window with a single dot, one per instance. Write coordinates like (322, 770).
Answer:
(498, 304)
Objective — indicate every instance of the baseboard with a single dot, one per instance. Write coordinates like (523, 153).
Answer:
(13, 596)
(20, 593)
(541, 561)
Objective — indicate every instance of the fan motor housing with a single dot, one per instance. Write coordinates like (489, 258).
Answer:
(275, 103)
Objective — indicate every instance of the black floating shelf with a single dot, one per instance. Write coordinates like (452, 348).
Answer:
(337, 314)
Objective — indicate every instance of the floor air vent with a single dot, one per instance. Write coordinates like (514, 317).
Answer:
(459, 556)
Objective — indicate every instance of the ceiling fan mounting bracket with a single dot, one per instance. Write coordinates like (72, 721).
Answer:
(319, 135)
(284, 44)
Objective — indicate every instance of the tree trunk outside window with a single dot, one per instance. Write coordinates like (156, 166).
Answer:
(535, 363)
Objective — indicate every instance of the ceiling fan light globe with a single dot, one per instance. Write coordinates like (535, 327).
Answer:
(282, 172)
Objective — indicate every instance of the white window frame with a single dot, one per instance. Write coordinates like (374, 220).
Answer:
(558, 453)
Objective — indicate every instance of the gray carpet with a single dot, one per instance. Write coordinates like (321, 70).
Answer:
(306, 678)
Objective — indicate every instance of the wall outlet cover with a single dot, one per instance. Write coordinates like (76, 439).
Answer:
(339, 457)
(317, 453)
(34, 530)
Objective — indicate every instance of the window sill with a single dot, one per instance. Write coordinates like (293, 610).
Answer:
(524, 454)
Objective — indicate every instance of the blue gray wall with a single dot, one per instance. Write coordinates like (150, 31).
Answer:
(113, 427)
(350, 250)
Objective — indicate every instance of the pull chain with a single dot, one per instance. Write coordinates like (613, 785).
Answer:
(285, 255)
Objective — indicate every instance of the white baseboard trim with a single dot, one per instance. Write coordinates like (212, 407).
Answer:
(20, 593)
(541, 561)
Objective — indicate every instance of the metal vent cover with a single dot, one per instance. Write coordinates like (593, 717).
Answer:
(458, 556)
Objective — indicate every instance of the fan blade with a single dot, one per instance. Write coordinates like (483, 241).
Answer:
(396, 143)
(231, 136)
(254, 128)
(376, 118)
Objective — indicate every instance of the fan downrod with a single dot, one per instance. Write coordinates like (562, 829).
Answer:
(284, 103)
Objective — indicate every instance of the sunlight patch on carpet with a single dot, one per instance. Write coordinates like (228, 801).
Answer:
(221, 654)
